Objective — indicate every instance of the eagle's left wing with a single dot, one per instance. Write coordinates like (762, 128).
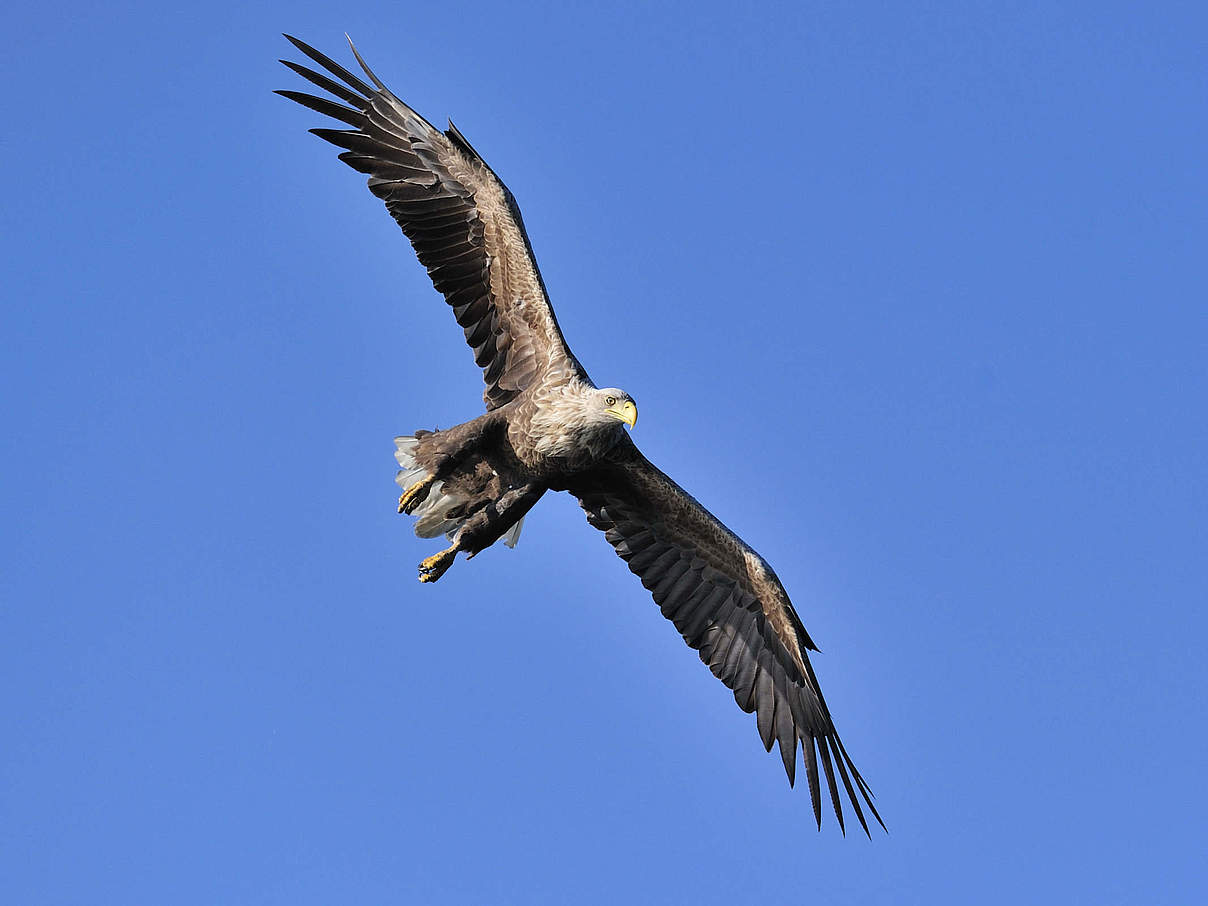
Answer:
(727, 604)
(462, 221)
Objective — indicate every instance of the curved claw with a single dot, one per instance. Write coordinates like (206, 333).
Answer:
(436, 565)
(415, 495)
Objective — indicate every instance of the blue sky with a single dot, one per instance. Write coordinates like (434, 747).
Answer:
(912, 296)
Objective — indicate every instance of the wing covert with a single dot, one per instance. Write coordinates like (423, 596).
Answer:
(462, 221)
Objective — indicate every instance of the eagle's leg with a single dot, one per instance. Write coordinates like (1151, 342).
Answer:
(491, 522)
(483, 529)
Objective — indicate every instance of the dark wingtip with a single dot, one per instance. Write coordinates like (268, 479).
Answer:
(369, 72)
(811, 775)
(863, 787)
(331, 66)
(824, 751)
(841, 762)
(872, 808)
(352, 117)
(788, 755)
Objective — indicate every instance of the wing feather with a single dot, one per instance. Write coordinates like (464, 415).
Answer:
(462, 221)
(728, 604)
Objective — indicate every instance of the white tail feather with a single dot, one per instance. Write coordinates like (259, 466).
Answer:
(513, 534)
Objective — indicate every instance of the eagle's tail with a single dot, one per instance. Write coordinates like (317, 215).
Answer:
(435, 516)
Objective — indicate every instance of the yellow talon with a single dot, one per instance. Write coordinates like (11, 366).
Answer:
(415, 495)
(434, 567)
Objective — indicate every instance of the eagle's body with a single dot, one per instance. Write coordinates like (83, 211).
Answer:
(548, 427)
(487, 473)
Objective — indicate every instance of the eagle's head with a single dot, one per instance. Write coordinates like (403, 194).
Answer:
(611, 403)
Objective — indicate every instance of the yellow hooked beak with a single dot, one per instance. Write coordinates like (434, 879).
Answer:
(626, 411)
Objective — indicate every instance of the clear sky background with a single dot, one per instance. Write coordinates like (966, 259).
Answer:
(911, 295)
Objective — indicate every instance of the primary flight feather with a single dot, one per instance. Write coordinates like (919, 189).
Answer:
(548, 427)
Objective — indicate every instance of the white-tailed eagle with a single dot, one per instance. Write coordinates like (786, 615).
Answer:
(548, 427)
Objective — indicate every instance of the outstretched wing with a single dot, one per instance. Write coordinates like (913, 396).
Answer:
(728, 605)
(462, 221)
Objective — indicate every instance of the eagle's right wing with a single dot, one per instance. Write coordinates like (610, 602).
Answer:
(462, 221)
(727, 604)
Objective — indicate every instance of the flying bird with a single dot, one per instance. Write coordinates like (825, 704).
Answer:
(549, 428)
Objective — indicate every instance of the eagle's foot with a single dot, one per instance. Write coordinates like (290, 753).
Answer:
(415, 495)
(436, 565)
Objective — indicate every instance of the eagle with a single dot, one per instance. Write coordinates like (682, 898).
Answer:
(547, 427)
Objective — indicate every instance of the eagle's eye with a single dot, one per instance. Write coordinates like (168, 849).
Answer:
(610, 401)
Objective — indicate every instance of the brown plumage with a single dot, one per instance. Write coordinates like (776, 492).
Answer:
(547, 427)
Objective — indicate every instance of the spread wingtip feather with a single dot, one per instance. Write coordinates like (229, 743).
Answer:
(331, 66)
(369, 72)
